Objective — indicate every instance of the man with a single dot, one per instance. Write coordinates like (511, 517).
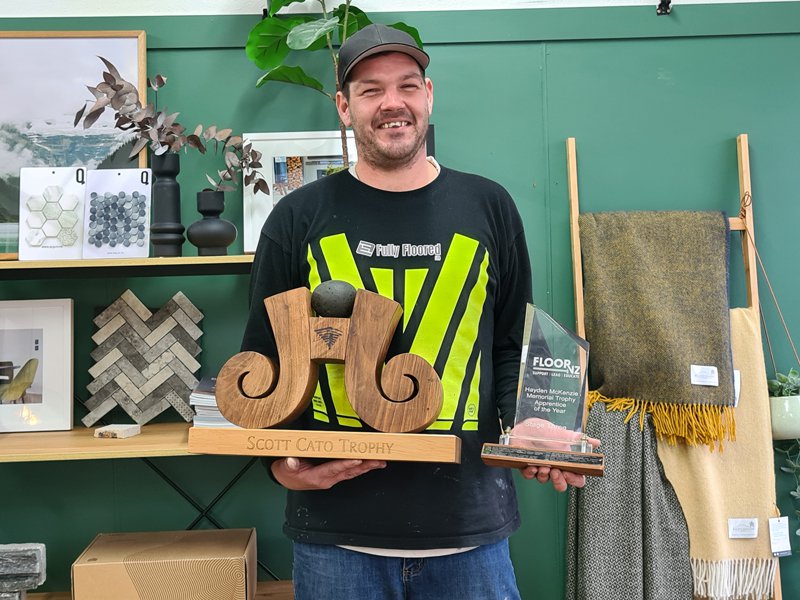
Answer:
(450, 248)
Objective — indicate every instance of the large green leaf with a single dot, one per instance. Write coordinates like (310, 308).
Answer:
(276, 5)
(295, 75)
(303, 36)
(409, 30)
(266, 45)
(356, 19)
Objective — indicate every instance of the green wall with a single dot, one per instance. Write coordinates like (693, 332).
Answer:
(655, 104)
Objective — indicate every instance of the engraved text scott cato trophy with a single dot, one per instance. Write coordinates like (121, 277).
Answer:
(551, 401)
(355, 328)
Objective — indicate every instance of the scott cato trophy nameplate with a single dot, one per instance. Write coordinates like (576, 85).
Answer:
(551, 399)
(397, 399)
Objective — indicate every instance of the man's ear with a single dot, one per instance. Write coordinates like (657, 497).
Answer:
(343, 108)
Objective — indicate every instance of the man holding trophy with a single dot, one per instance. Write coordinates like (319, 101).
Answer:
(450, 248)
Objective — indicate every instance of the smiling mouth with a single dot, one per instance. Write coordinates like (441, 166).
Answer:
(393, 124)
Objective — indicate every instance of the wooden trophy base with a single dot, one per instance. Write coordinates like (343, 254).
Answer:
(414, 447)
(502, 455)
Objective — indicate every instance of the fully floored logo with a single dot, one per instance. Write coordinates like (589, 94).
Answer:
(398, 250)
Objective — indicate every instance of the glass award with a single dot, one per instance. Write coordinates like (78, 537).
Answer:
(551, 402)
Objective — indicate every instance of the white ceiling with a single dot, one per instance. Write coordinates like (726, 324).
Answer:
(95, 8)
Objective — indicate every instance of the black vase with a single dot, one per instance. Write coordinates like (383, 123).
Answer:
(166, 231)
(211, 234)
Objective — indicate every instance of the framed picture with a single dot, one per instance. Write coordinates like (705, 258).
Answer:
(44, 77)
(35, 365)
(290, 160)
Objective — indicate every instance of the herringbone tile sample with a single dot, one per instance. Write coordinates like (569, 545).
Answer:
(144, 362)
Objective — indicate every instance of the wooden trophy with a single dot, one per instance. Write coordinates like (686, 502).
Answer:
(397, 399)
(551, 403)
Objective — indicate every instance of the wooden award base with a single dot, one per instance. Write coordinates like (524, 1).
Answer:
(502, 455)
(414, 447)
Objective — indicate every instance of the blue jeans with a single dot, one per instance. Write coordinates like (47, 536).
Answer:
(323, 572)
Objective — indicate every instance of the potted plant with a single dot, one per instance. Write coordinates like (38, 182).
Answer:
(270, 41)
(166, 137)
(784, 400)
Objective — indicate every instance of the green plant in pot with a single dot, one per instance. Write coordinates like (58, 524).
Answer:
(784, 400)
(271, 41)
(166, 138)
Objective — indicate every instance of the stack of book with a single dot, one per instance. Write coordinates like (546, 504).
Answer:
(204, 402)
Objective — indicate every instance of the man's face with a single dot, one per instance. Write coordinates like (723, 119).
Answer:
(388, 108)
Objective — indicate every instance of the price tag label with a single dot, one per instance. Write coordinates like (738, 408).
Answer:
(779, 536)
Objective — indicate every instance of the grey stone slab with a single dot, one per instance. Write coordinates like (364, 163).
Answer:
(142, 414)
(162, 330)
(111, 342)
(145, 416)
(132, 372)
(158, 349)
(133, 348)
(126, 385)
(160, 362)
(15, 595)
(156, 380)
(136, 305)
(184, 373)
(139, 326)
(100, 411)
(109, 313)
(180, 405)
(102, 394)
(191, 310)
(162, 314)
(191, 346)
(125, 338)
(23, 559)
(104, 363)
(179, 387)
(108, 329)
(187, 324)
(105, 377)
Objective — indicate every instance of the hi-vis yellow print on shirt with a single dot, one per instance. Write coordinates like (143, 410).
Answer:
(442, 309)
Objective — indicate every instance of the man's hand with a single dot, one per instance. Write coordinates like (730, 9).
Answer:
(298, 474)
(549, 437)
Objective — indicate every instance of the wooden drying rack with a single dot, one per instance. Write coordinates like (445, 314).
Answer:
(743, 223)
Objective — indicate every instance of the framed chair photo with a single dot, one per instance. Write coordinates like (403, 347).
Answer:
(36, 342)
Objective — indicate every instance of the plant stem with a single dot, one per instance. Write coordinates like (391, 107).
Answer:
(335, 59)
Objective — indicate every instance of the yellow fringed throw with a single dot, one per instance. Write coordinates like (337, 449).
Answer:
(695, 424)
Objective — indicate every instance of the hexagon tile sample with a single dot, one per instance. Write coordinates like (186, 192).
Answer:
(144, 362)
(51, 212)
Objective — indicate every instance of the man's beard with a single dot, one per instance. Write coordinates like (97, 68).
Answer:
(394, 154)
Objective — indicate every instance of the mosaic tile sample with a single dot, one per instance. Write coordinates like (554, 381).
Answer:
(117, 218)
(117, 214)
(144, 362)
(51, 213)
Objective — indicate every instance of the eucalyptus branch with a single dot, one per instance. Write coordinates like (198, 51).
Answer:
(163, 133)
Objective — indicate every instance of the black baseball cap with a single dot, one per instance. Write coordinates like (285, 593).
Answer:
(374, 39)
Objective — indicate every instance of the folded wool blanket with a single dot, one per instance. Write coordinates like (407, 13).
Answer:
(626, 535)
(737, 483)
(656, 303)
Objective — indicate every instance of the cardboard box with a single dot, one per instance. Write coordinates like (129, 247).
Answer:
(196, 565)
